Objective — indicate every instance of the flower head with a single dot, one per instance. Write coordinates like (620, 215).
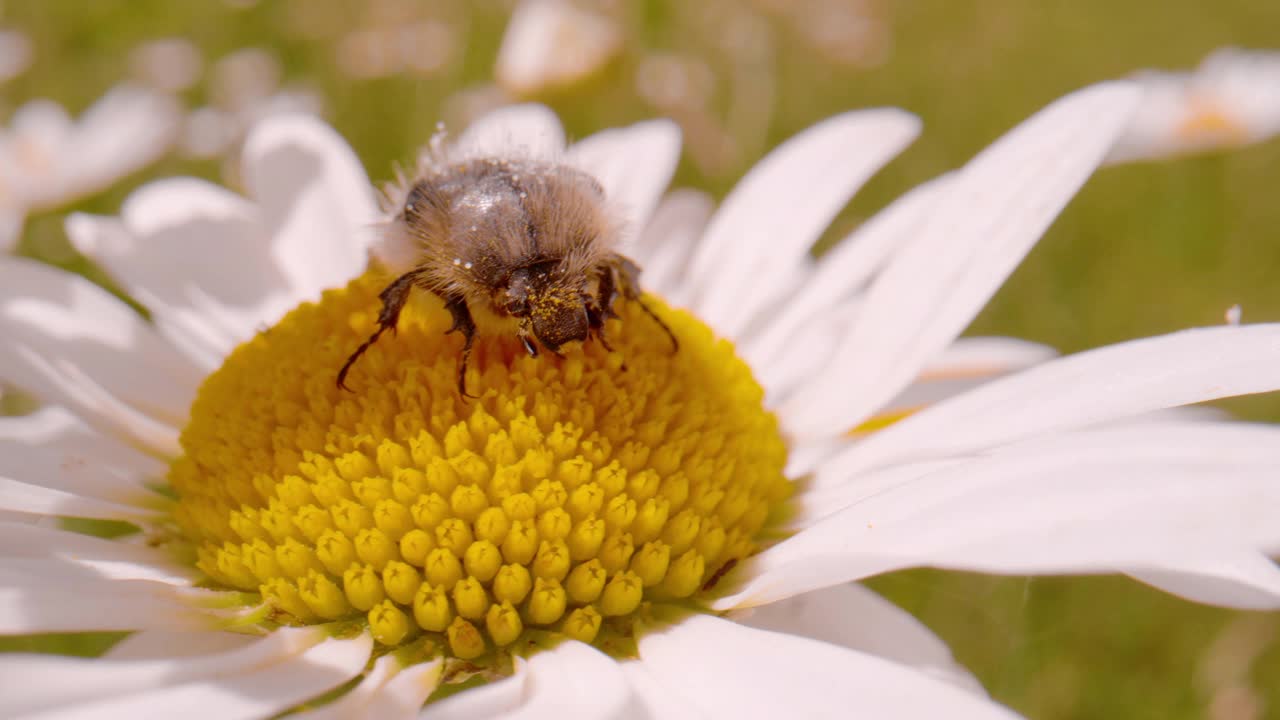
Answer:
(604, 532)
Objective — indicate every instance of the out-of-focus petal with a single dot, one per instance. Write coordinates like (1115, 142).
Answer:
(553, 44)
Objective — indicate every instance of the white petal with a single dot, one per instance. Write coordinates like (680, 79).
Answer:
(71, 343)
(114, 559)
(1123, 499)
(49, 595)
(127, 129)
(846, 268)
(966, 364)
(1229, 577)
(198, 257)
(634, 164)
(50, 681)
(659, 701)
(491, 699)
(404, 694)
(856, 617)
(1088, 388)
(387, 691)
(315, 199)
(53, 448)
(169, 645)
(26, 498)
(253, 693)
(11, 218)
(572, 680)
(993, 211)
(805, 353)
(765, 227)
(732, 671)
(528, 130)
(668, 239)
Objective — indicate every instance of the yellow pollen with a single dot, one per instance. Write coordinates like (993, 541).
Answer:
(568, 499)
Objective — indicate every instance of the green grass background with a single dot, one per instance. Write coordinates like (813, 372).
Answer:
(1144, 249)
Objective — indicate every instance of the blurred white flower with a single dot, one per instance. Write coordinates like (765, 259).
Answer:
(551, 44)
(1232, 99)
(48, 160)
(170, 64)
(244, 88)
(421, 47)
(15, 54)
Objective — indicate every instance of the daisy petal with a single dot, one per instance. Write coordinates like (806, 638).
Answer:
(634, 164)
(966, 364)
(1087, 388)
(664, 246)
(740, 672)
(127, 129)
(404, 694)
(1237, 578)
(262, 691)
(749, 250)
(316, 200)
(491, 699)
(659, 701)
(20, 497)
(112, 368)
(532, 130)
(109, 558)
(50, 681)
(992, 212)
(856, 617)
(169, 645)
(573, 680)
(232, 285)
(1123, 499)
(845, 269)
(47, 595)
(54, 449)
(388, 690)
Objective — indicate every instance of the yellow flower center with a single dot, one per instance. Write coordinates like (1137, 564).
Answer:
(565, 501)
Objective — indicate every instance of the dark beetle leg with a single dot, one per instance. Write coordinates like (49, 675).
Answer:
(393, 298)
(463, 323)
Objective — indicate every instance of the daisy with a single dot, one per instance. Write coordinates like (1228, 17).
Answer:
(1232, 99)
(48, 160)
(639, 533)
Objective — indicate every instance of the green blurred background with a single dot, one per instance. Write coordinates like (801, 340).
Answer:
(1145, 249)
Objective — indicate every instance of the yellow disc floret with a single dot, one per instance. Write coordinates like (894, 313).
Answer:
(570, 495)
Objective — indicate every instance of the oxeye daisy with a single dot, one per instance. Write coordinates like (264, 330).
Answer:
(609, 533)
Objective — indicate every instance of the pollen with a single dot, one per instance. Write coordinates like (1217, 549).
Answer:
(570, 497)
